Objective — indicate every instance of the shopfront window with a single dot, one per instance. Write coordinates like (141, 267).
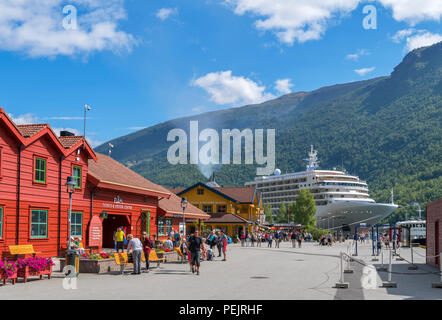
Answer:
(77, 224)
(161, 226)
(39, 224)
(1, 223)
(168, 226)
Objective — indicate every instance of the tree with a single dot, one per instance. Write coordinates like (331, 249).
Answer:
(268, 213)
(304, 208)
(281, 217)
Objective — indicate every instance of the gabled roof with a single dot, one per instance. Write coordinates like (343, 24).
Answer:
(111, 174)
(173, 206)
(69, 141)
(29, 133)
(29, 130)
(235, 194)
(226, 218)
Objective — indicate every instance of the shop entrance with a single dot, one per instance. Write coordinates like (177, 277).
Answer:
(110, 225)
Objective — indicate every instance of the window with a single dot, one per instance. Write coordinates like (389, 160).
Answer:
(168, 226)
(221, 209)
(76, 172)
(208, 208)
(161, 226)
(40, 170)
(39, 224)
(200, 191)
(77, 224)
(1, 223)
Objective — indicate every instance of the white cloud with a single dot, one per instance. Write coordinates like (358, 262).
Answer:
(224, 88)
(362, 72)
(165, 13)
(414, 11)
(35, 27)
(27, 118)
(284, 86)
(303, 20)
(356, 56)
(416, 38)
(294, 20)
(422, 40)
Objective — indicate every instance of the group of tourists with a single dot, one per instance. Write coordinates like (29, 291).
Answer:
(195, 248)
(275, 237)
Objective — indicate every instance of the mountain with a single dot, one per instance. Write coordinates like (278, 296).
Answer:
(386, 130)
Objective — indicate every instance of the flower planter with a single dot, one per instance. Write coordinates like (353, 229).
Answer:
(98, 266)
(26, 272)
(6, 278)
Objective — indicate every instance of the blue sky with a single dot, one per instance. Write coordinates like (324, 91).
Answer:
(138, 63)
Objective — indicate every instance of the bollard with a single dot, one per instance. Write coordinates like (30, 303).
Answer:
(413, 266)
(341, 284)
(348, 269)
(439, 284)
(382, 268)
(389, 283)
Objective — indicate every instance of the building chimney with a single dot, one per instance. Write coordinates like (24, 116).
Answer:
(66, 134)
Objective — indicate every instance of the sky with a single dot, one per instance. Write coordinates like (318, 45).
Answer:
(138, 63)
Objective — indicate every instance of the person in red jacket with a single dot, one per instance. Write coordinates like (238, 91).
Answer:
(147, 246)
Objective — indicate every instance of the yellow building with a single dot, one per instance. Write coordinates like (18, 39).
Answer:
(232, 209)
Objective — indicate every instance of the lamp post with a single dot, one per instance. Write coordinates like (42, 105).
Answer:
(184, 205)
(71, 256)
(86, 109)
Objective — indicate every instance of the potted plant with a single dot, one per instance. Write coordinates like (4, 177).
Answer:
(8, 270)
(97, 263)
(34, 266)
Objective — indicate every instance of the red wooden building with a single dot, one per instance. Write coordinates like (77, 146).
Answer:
(34, 166)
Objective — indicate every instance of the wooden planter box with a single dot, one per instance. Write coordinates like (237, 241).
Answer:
(25, 273)
(98, 266)
(5, 279)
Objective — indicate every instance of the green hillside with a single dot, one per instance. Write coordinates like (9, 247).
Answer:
(386, 130)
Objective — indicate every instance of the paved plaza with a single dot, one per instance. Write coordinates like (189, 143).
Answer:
(310, 272)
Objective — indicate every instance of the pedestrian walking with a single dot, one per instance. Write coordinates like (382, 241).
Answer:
(299, 239)
(224, 244)
(119, 238)
(253, 239)
(136, 247)
(243, 238)
(195, 245)
(270, 239)
(219, 243)
(277, 239)
(294, 239)
(147, 247)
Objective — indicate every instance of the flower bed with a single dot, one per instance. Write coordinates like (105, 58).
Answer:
(34, 266)
(8, 271)
(98, 263)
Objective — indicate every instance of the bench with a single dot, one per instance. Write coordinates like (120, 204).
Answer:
(123, 260)
(154, 258)
(181, 255)
(22, 250)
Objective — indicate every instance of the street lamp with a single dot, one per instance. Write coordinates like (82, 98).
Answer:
(184, 205)
(416, 204)
(72, 259)
(86, 109)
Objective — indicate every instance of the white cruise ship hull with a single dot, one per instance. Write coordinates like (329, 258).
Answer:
(350, 213)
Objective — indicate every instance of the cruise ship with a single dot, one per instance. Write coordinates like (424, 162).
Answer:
(342, 200)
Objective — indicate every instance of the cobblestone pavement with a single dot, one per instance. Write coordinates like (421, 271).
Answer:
(310, 272)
